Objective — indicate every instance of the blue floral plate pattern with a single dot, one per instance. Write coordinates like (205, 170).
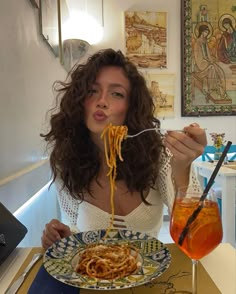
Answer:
(60, 259)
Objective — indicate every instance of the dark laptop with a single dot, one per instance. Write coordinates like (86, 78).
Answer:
(12, 231)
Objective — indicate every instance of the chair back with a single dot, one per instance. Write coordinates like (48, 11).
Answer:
(232, 152)
(208, 153)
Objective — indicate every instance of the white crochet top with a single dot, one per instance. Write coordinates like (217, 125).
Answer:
(83, 216)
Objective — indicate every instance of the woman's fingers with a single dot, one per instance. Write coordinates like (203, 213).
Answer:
(53, 232)
(197, 134)
(46, 241)
(182, 145)
(186, 146)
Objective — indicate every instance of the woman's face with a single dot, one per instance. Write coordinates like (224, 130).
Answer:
(108, 100)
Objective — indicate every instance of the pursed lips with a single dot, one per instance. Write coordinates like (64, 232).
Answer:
(99, 115)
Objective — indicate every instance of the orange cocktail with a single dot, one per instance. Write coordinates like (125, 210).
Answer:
(204, 234)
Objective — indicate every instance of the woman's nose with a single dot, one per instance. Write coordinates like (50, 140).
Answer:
(102, 101)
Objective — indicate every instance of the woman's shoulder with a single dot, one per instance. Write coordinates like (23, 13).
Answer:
(63, 192)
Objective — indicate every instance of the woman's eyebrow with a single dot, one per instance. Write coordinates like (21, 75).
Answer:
(113, 85)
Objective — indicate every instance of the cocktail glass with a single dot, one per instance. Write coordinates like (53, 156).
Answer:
(195, 225)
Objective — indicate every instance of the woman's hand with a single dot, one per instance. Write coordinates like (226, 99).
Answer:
(185, 147)
(53, 232)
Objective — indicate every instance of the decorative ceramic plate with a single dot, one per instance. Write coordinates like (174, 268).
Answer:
(60, 259)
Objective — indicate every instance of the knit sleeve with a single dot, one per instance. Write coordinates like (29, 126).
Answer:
(69, 207)
(165, 181)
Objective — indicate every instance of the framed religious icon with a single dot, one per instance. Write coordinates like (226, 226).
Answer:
(208, 57)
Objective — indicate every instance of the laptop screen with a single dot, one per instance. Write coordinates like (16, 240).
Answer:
(12, 231)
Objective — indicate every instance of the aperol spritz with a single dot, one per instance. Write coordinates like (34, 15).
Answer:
(203, 233)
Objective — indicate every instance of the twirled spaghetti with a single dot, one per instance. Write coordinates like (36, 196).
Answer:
(108, 261)
(113, 137)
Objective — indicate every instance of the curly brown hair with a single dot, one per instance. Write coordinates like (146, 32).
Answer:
(74, 158)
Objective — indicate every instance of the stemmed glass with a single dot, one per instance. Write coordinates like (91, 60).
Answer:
(195, 225)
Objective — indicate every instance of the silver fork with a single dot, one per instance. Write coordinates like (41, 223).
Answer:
(154, 129)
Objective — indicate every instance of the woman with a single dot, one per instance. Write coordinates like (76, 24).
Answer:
(109, 89)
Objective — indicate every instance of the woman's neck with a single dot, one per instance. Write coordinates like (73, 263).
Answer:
(104, 169)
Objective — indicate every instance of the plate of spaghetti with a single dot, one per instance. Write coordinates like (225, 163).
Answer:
(123, 259)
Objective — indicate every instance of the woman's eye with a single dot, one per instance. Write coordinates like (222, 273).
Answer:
(92, 91)
(118, 94)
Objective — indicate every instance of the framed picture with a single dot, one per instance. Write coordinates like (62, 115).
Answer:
(49, 24)
(208, 57)
(35, 3)
(162, 88)
(146, 38)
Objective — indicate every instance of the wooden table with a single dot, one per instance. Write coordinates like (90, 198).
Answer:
(226, 180)
(218, 269)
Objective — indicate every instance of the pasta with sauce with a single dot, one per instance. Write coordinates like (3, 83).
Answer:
(108, 261)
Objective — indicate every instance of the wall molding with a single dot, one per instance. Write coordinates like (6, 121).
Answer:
(22, 172)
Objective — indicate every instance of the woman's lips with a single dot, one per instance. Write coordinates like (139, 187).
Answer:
(99, 116)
